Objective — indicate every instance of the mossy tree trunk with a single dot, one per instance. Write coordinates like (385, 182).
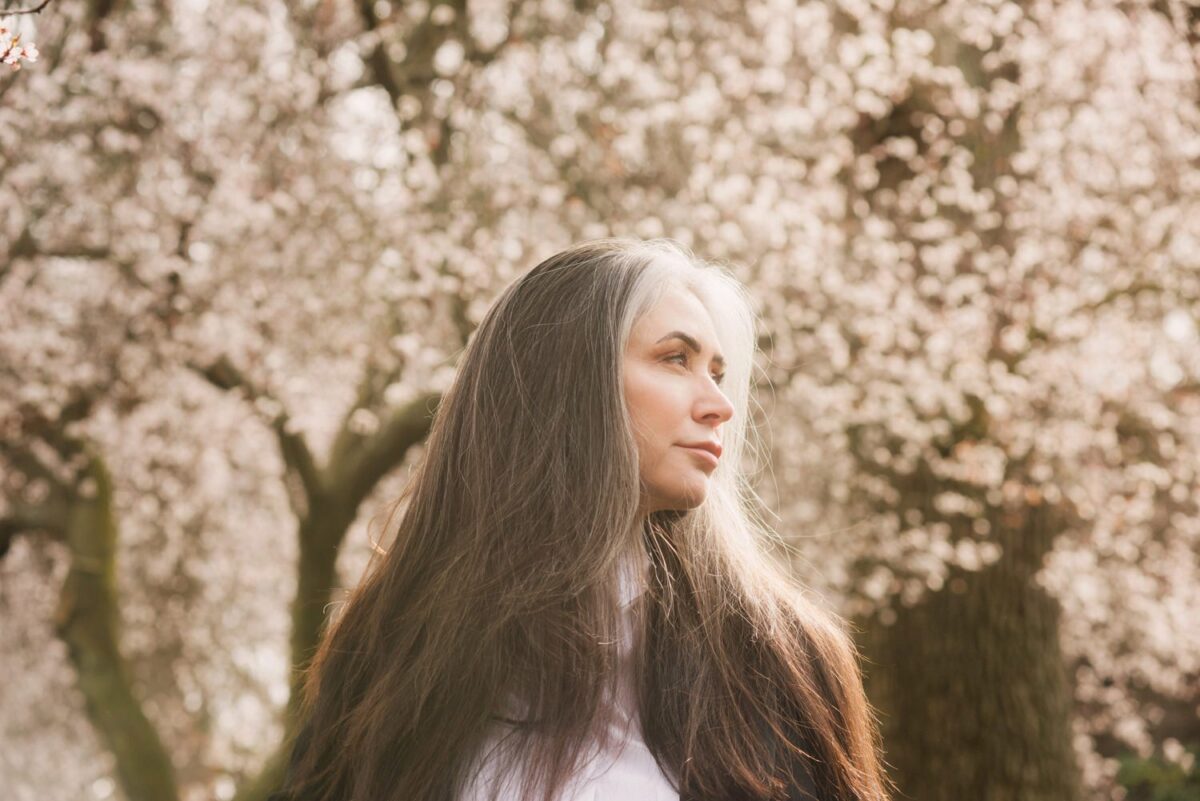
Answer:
(326, 499)
(971, 684)
(88, 621)
(970, 681)
(80, 514)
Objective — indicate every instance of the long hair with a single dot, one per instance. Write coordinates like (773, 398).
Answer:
(498, 596)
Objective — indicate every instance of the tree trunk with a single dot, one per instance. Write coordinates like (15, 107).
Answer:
(320, 538)
(971, 685)
(88, 622)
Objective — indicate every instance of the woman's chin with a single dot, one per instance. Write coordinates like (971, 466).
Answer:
(685, 498)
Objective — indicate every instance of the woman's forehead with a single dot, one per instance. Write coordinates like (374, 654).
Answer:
(677, 309)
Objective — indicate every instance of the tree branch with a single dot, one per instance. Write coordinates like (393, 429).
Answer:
(34, 10)
(49, 517)
(480, 57)
(296, 454)
(415, 74)
(378, 61)
(100, 9)
(30, 465)
(357, 463)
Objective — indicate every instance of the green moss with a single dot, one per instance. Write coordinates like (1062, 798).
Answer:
(1156, 779)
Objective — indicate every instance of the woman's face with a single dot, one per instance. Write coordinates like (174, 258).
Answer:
(672, 369)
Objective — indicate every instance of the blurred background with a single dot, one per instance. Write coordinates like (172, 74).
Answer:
(243, 243)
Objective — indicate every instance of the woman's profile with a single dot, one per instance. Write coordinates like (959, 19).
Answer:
(577, 603)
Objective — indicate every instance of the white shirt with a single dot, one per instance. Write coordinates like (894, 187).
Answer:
(626, 770)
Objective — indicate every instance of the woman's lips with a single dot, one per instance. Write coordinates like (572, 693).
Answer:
(707, 456)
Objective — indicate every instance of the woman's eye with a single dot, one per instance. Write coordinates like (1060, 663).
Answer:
(681, 358)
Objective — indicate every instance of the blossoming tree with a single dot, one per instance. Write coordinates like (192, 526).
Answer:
(244, 242)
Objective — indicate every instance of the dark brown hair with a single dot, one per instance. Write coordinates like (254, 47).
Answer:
(501, 580)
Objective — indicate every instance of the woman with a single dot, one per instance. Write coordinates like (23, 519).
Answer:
(577, 604)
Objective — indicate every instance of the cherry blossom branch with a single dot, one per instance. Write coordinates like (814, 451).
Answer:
(481, 57)
(415, 74)
(12, 52)
(30, 465)
(380, 64)
(32, 10)
(296, 454)
(357, 465)
(50, 517)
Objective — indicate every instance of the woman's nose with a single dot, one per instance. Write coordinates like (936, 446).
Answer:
(713, 405)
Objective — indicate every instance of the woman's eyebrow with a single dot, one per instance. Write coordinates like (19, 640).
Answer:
(692, 344)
